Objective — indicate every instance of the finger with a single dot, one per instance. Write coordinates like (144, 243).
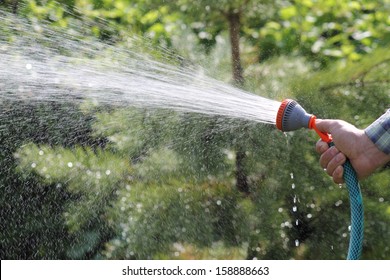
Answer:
(327, 156)
(338, 160)
(321, 147)
(338, 175)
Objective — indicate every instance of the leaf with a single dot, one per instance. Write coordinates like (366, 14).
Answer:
(288, 12)
(273, 25)
(150, 18)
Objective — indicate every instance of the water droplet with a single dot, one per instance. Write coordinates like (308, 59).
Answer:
(37, 28)
(230, 155)
(338, 203)
(70, 165)
(296, 242)
(295, 208)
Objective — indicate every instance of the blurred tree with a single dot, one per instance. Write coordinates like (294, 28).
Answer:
(217, 17)
(13, 4)
(31, 213)
(231, 11)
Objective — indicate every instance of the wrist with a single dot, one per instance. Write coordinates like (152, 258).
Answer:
(374, 155)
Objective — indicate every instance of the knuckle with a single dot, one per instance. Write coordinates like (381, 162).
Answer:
(338, 175)
(323, 161)
(321, 147)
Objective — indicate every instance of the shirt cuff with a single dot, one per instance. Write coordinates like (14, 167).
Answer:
(379, 132)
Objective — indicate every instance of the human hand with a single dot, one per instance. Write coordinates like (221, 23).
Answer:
(349, 142)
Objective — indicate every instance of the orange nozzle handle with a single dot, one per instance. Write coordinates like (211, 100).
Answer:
(326, 137)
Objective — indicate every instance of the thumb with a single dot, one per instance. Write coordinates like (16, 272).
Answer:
(326, 125)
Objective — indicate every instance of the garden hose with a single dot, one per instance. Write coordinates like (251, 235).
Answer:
(291, 116)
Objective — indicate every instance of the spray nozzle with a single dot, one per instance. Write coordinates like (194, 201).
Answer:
(291, 116)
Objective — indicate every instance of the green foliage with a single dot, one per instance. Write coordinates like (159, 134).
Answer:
(359, 88)
(31, 212)
(153, 217)
(134, 131)
(321, 30)
(325, 30)
(92, 168)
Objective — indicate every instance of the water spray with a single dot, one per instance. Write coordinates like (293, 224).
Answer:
(291, 116)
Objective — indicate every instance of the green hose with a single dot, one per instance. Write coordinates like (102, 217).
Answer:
(357, 213)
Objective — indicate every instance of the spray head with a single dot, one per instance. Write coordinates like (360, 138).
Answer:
(291, 116)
